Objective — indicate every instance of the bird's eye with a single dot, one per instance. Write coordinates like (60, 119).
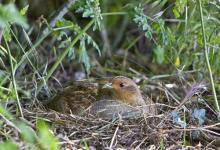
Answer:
(122, 85)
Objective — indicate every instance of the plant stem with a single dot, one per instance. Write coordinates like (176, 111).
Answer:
(13, 79)
(207, 58)
(63, 55)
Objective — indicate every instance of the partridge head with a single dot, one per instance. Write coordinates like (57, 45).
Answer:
(126, 90)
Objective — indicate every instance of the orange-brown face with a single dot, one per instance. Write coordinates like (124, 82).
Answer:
(125, 89)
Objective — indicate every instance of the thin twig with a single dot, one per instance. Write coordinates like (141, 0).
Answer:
(114, 136)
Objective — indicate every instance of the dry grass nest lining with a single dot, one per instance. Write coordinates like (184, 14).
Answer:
(71, 130)
(127, 133)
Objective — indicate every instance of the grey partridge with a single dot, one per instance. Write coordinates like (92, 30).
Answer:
(119, 96)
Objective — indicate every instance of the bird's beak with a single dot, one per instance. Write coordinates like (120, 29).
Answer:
(107, 86)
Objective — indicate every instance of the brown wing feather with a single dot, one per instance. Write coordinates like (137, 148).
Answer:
(76, 97)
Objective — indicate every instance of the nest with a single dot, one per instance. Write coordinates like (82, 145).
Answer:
(161, 131)
(152, 132)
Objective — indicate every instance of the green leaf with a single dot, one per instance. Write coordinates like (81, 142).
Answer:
(93, 43)
(24, 10)
(9, 14)
(91, 9)
(85, 40)
(83, 56)
(179, 7)
(86, 146)
(8, 146)
(64, 23)
(142, 21)
(159, 54)
(5, 113)
(46, 138)
(7, 34)
(27, 132)
(176, 13)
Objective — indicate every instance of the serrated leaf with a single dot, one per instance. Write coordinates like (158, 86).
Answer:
(141, 20)
(92, 9)
(71, 53)
(94, 45)
(83, 56)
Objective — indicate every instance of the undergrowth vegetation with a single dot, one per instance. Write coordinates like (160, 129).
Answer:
(171, 48)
